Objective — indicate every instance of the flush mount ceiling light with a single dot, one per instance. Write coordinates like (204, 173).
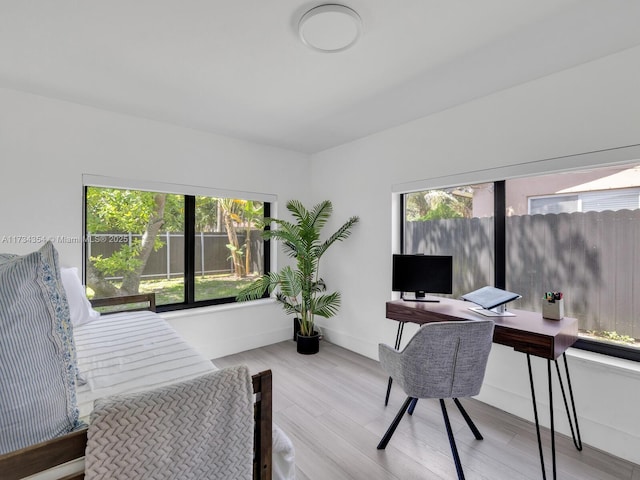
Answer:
(330, 28)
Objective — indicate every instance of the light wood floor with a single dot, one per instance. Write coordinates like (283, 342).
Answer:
(331, 405)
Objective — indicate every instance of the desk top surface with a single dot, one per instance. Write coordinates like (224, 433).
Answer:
(527, 331)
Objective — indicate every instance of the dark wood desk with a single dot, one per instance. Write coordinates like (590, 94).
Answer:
(526, 332)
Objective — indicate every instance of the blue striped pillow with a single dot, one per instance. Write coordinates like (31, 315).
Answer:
(37, 353)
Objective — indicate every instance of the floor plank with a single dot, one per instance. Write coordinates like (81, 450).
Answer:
(332, 407)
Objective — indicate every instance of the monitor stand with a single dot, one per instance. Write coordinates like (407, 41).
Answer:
(421, 297)
(499, 311)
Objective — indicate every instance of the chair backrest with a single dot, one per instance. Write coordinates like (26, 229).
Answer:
(446, 359)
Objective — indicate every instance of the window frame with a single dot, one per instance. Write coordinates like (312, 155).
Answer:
(499, 176)
(189, 193)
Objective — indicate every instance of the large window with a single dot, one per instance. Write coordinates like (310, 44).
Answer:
(577, 232)
(455, 221)
(190, 250)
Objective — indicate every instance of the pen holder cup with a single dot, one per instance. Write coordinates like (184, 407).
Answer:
(553, 310)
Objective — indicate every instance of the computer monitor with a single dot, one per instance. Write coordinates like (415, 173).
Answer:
(422, 274)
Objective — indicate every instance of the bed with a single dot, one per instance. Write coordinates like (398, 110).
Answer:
(131, 351)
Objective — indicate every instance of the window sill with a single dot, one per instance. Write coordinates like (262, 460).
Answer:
(197, 311)
(621, 366)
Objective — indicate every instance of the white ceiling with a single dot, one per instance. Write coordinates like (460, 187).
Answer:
(237, 67)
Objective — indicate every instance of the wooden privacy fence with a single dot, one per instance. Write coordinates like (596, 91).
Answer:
(211, 252)
(592, 257)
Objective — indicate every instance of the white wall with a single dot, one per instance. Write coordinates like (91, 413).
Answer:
(46, 145)
(591, 107)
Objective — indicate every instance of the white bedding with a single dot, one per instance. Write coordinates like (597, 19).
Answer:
(131, 352)
(134, 351)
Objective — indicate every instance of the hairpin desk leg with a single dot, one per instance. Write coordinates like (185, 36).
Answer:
(552, 425)
(397, 347)
(535, 416)
(573, 419)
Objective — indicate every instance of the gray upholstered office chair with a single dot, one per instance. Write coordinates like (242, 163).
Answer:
(442, 360)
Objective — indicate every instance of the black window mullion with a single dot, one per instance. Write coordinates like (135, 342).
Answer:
(189, 248)
(403, 219)
(86, 245)
(500, 236)
(266, 243)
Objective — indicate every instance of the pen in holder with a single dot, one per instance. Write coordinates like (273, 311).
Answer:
(553, 306)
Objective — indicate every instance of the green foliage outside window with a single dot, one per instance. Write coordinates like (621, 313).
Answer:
(439, 204)
(136, 224)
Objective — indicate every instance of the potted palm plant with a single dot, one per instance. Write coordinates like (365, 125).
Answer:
(300, 290)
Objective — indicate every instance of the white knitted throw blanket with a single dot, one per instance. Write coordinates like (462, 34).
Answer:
(197, 429)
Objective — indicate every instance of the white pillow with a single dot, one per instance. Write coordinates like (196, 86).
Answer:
(79, 305)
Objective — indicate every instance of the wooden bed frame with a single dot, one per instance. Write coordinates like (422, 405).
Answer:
(43, 456)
